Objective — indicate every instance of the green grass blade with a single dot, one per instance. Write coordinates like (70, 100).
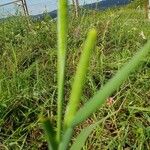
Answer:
(66, 139)
(140, 108)
(78, 84)
(82, 137)
(100, 97)
(62, 46)
(50, 134)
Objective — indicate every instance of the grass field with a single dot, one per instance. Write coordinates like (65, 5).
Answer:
(28, 89)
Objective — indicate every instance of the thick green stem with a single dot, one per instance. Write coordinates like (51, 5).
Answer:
(62, 27)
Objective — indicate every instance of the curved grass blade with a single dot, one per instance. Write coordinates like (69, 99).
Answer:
(82, 137)
(79, 78)
(66, 139)
(62, 28)
(50, 134)
(100, 97)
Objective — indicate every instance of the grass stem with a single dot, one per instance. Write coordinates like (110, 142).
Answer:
(62, 28)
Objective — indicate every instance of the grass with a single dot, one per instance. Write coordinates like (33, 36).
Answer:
(28, 79)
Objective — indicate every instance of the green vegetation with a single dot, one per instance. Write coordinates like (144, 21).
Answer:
(28, 58)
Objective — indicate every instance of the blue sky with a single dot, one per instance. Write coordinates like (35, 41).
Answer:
(36, 6)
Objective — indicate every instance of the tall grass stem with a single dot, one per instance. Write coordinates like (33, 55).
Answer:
(62, 28)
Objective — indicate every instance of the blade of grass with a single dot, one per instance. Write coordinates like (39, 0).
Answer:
(82, 137)
(140, 108)
(50, 134)
(66, 139)
(79, 79)
(101, 96)
(62, 28)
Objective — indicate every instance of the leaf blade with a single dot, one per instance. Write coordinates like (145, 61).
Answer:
(79, 78)
(62, 28)
(50, 134)
(82, 137)
(66, 139)
(100, 97)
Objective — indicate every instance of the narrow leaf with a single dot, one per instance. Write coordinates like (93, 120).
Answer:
(140, 108)
(82, 137)
(62, 28)
(50, 134)
(79, 78)
(66, 139)
(101, 96)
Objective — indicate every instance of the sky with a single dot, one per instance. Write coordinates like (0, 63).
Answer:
(36, 6)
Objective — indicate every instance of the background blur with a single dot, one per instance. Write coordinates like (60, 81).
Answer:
(35, 6)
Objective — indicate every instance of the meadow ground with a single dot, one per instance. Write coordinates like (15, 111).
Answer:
(28, 78)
